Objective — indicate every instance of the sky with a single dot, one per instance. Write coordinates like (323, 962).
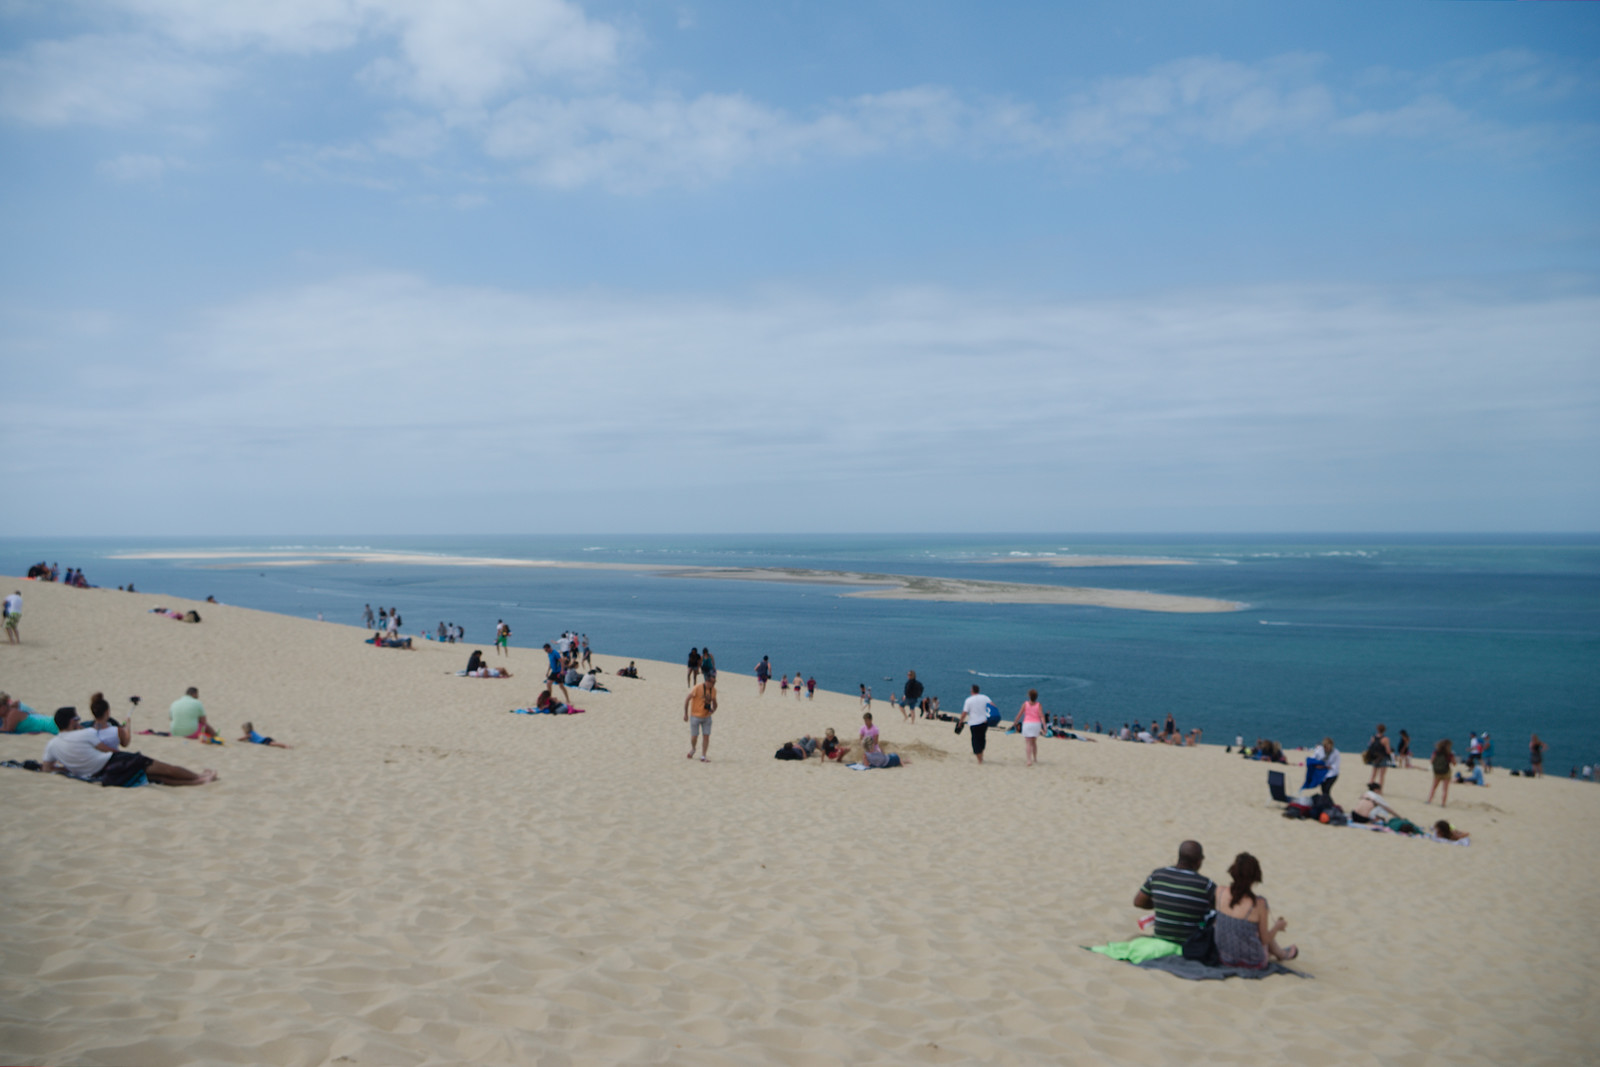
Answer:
(527, 266)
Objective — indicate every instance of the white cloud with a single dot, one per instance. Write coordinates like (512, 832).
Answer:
(101, 80)
(136, 168)
(1300, 395)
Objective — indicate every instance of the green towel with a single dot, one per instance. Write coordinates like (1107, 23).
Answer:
(1139, 949)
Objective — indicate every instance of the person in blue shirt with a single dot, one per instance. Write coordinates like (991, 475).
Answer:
(553, 678)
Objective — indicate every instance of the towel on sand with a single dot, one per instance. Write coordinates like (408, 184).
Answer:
(1152, 953)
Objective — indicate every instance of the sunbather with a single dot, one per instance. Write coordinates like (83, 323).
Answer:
(254, 738)
(1450, 833)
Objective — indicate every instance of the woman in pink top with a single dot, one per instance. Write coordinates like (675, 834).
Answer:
(869, 733)
(1032, 719)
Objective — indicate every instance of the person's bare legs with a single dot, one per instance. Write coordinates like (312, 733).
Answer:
(1277, 927)
(1435, 789)
(1379, 777)
(168, 774)
(1444, 800)
(1031, 746)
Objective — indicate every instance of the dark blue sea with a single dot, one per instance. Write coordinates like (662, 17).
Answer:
(1439, 635)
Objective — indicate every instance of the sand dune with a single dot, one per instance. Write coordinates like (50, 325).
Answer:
(426, 879)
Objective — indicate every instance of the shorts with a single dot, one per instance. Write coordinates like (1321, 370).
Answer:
(980, 737)
(1032, 729)
(501, 640)
(11, 620)
(556, 677)
(699, 725)
(124, 769)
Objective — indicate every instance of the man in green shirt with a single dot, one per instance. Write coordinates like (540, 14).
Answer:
(188, 717)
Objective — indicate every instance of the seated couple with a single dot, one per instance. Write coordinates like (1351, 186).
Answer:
(94, 752)
(630, 671)
(381, 640)
(1182, 898)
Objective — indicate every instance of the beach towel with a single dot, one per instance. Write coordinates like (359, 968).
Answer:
(1152, 953)
(1195, 971)
(1138, 950)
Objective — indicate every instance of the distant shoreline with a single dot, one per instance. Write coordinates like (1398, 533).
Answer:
(867, 585)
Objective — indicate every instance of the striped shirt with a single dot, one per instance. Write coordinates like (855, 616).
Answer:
(1182, 899)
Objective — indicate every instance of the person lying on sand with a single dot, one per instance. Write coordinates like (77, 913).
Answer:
(489, 672)
(877, 757)
(254, 738)
(1449, 833)
(18, 718)
(789, 751)
(78, 750)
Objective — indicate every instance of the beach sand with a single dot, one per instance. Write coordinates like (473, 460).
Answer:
(425, 879)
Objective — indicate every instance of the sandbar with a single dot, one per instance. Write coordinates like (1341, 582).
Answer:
(879, 586)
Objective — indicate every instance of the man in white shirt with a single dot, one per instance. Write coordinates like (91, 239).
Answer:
(13, 613)
(975, 713)
(78, 750)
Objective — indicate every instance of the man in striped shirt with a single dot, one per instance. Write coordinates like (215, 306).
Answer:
(1181, 896)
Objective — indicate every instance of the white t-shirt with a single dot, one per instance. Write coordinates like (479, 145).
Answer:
(75, 750)
(976, 710)
(1330, 758)
(587, 683)
(13, 604)
(108, 737)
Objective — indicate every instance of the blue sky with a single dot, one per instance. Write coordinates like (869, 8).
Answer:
(324, 266)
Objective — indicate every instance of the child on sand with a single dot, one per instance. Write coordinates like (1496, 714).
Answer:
(254, 738)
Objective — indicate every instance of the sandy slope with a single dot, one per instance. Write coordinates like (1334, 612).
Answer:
(426, 879)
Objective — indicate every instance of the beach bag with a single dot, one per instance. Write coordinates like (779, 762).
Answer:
(994, 716)
(1202, 944)
(1373, 754)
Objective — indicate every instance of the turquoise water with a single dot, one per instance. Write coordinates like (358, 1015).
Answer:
(1437, 635)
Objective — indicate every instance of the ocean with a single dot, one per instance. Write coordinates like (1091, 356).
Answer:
(1438, 635)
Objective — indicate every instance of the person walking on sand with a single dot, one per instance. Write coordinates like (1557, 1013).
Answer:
(811, 687)
(698, 707)
(799, 684)
(554, 673)
(1031, 716)
(913, 694)
(708, 666)
(1442, 760)
(763, 675)
(694, 665)
(1536, 750)
(366, 616)
(502, 638)
(1379, 756)
(975, 714)
(13, 613)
